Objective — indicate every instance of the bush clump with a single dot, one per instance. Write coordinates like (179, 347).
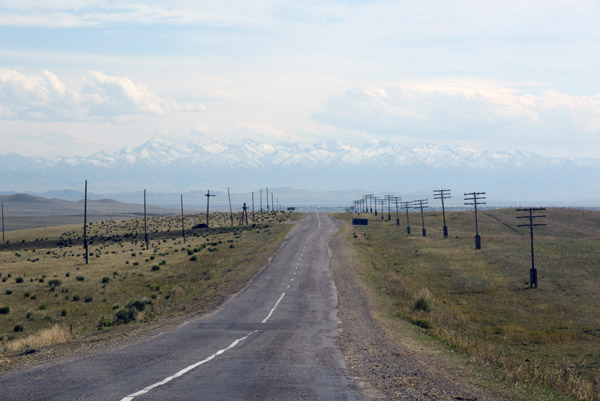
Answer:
(4, 310)
(53, 284)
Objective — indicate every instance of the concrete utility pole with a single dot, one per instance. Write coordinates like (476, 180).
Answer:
(208, 195)
(182, 223)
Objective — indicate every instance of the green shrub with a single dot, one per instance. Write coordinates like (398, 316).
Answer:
(79, 278)
(422, 305)
(53, 284)
(4, 310)
(8, 292)
(18, 328)
(19, 280)
(76, 298)
(63, 312)
(194, 258)
(88, 299)
(138, 305)
(105, 280)
(125, 316)
(155, 268)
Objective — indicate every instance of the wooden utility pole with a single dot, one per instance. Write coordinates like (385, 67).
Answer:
(3, 222)
(474, 198)
(531, 217)
(145, 224)
(422, 203)
(406, 205)
(244, 214)
(85, 242)
(442, 194)
(230, 210)
(267, 199)
(272, 203)
(208, 195)
(253, 206)
(182, 223)
(261, 211)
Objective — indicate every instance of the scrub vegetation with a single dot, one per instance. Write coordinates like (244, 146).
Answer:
(49, 295)
(479, 303)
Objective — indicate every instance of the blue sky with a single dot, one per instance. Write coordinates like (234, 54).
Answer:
(81, 76)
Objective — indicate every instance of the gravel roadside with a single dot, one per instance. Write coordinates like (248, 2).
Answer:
(386, 362)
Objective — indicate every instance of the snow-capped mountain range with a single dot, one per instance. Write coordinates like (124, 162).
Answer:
(375, 166)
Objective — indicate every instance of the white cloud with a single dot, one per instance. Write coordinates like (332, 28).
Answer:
(463, 111)
(45, 97)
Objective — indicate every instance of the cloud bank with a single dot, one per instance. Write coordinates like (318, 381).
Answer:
(46, 98)
(462, 112)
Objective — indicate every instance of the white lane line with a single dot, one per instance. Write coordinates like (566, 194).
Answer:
(185, 370)
(275, 307)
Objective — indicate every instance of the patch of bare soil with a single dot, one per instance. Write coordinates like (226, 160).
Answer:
(384, 357)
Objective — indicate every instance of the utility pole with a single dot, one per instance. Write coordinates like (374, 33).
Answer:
(531, 217)
(182, 223)
(396, 200)
(145, 222)
(244, 214)
(475, 199)
(375, 199)
(3, 222)
(253, 219)
(382, 202)
(442, 194)
(230, 210)
(422, 205)
(370, 201)
(208, 195)
(85, 242)
(389, 199)
(272, 203)
(406, 205)
(261, 211)
(267, 199)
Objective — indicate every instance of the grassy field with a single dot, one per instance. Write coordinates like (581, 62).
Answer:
(48, 294)
(479, 301)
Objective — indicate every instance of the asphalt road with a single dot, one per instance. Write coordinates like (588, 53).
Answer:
(275, 340)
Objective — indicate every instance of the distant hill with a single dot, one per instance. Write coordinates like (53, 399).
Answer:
(30, 205)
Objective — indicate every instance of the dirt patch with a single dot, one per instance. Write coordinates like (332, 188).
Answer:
(384, 357)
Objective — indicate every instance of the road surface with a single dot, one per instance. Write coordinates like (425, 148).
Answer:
(275, 340)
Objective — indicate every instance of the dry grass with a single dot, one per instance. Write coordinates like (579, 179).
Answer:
(479, 301)
(45, 282)
(52, 335)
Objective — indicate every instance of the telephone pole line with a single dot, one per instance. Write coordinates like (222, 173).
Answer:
(145, 223)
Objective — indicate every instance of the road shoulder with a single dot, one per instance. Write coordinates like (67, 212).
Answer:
(384, 356)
